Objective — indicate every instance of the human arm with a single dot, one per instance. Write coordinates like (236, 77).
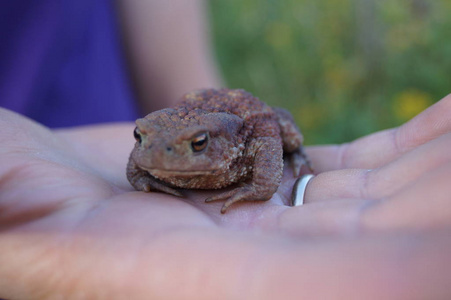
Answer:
(168, 49)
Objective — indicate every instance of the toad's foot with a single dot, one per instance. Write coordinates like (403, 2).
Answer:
(148, 184)
(247, 192)
(300, 163)
(142, 180)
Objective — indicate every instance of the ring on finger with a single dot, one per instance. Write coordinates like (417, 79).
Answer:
(299, 187)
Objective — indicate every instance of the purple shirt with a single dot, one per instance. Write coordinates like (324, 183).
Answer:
(61, 62)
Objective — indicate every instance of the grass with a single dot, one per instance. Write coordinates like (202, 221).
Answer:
(344, 68)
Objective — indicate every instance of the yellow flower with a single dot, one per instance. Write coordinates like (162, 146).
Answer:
(409, 103)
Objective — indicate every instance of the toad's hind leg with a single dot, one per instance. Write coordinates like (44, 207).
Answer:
(292, 142)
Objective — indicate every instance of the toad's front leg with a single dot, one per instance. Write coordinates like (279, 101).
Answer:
(267, 172)
(141, 180)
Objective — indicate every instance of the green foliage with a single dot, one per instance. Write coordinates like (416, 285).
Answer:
(344, 68)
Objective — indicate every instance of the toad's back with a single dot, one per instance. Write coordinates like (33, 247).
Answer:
(237, 102)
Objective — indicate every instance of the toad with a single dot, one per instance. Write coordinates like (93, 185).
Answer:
(212, 139)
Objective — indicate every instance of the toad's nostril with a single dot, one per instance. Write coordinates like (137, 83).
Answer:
(168, 149)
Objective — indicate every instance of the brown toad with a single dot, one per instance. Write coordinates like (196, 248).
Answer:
(212, 139)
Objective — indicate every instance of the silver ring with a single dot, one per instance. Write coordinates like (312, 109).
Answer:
(299, 187)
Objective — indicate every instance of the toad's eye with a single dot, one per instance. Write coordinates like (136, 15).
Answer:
(137, 135)
(199, 142)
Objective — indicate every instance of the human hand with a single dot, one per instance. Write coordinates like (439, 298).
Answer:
(71, 226)
(394, 179)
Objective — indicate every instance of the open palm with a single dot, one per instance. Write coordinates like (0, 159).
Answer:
(72, 226)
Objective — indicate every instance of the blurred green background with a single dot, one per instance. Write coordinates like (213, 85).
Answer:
(344, 68)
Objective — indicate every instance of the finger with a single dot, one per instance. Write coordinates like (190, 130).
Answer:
(402, 172)
(411, 192)
(380, 182)
(334, 185)
(424, 203)
(382, 147)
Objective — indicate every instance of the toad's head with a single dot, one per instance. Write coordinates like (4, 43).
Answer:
(170, 143)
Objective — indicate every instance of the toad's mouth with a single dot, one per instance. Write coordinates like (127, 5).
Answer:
(181, 173)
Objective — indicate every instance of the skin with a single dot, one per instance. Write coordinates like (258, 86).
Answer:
(72, 227)
(168, 49)
(212, 139)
